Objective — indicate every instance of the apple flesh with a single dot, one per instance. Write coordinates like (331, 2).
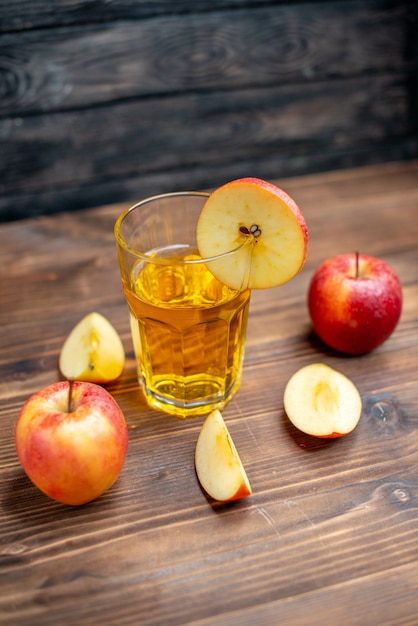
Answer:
(93, 351)
(354, 302)
(322, 402)
(218, 465)
(264, 222)
(74, 449)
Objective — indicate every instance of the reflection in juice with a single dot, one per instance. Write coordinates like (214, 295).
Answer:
(188, 331)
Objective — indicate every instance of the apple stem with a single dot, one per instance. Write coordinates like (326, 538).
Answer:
(357, 263)
(70, 407)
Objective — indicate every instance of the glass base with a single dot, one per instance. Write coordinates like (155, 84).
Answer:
(197, 401)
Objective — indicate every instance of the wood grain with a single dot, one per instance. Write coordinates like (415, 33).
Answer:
(228, 132)
(24, 15)
(330, 533)
(104, 101)
(86, 65)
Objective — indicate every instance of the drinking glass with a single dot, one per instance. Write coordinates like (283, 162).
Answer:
(188, 328)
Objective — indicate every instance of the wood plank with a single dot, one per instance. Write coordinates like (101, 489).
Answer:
(86, 65)
(101, 103)
(146, 136)
(24, 14)
(331, 529)
(386, 600)
(130, 189)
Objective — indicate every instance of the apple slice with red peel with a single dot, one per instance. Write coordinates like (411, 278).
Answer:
(322, 402)
(218, 465)
(93, 351)
(266, 220)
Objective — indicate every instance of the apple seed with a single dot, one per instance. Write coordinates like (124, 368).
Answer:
(254, 230)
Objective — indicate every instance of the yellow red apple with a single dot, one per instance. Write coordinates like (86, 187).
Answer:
(355, 302)
(218, 465)
(71, 440)
(322, 402)
(93, 351)
(264, 222)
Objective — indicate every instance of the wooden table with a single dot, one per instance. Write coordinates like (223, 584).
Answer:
(330, 535)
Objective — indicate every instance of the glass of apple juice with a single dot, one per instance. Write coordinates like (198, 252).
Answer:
(188, 328)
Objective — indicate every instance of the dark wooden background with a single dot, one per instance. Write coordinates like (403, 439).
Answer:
(108, 101)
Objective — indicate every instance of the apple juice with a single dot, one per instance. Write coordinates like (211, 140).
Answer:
(188, 332)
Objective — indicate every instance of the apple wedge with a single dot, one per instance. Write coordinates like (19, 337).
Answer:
(218, 465)
(93, 351)
(264, 222)
(322, 402)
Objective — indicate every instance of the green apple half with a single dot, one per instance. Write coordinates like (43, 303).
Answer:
(264, 222)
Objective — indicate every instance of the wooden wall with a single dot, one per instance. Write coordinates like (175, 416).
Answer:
(111, 100)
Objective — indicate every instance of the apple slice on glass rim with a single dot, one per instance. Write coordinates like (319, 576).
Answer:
(262, 224)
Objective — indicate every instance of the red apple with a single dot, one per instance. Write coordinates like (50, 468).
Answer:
(71, 440)
(355, 302)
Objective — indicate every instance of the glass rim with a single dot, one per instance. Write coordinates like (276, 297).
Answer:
(161, 260)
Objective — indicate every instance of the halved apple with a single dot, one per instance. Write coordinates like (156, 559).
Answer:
(322, 402)
(266, 220)
(93, 351)
(218, 465)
